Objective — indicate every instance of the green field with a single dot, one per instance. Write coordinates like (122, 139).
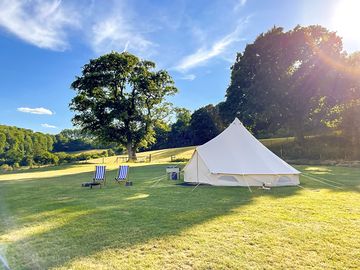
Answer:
(47, 221)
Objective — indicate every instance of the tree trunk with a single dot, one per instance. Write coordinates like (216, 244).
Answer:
(131, 152)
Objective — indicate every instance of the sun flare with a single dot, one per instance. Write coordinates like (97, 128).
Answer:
(346, 19)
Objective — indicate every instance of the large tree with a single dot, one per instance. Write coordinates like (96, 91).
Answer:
(284, 79)
(118, 99)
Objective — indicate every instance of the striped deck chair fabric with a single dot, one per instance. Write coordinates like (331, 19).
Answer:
(122, 173)
(100, 173)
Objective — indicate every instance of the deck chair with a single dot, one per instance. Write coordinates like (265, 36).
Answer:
(99, 176)
(122, 175)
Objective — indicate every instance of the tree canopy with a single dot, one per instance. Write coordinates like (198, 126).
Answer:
(205, 124)
(284, 79)
(119, 97)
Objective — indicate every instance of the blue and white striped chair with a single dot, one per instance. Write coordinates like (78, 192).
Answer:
(99, 175)
(122, 175)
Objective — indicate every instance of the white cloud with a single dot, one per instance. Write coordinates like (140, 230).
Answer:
(188, 77)
(38, 22)
(239, 4)
(40, 110)
(203, 54)
(46, 24)
(48, 126)
(115, 32)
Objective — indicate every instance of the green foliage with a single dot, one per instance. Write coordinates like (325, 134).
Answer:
(73, 140)
(348, 112)
(23, 147)
(179, 134)
(19, 146)
(2, 142)
(13, 156)
(44, 158)
(27, 161)
(280, 79)
(189, 129)
(110, 152)
(162, 135)
(350, 124)
(64, 157)
(5, 168)
(118, 98)
(329, 147)
(204, 124)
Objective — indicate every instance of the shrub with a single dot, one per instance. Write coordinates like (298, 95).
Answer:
(95, 155)
(63, 157)
(110, 152)
(6, 167)
(44, 158)
(27, 161)
(16, 165)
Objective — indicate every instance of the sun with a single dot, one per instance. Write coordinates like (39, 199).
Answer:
(346, 19)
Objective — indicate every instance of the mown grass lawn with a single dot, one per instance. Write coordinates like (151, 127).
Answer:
(47, 221)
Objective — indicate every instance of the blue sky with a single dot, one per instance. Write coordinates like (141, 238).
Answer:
(44, 44)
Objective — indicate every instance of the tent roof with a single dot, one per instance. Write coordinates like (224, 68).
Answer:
(237, 151)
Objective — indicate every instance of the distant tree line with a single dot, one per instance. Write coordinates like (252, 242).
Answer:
(23, 147)
(71, 140)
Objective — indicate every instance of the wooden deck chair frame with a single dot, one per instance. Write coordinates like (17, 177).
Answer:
(122, 176)
(99, 175)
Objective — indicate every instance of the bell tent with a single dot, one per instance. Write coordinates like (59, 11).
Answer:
(236, 158)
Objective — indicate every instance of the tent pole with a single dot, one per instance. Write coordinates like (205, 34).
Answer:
(197, 167)
(197, 172)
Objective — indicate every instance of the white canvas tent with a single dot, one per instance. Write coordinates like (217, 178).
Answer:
(236, 158)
